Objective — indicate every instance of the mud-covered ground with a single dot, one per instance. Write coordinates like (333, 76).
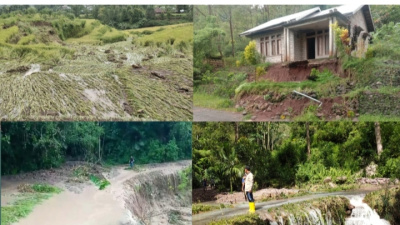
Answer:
(81, 202)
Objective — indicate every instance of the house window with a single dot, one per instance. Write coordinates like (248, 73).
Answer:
(266, 46)
(322, 41)
(273, 43)
(262, 48)
(326, 44)
(319, 46)
(279, 45)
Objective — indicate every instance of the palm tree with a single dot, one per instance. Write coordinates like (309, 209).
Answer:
(230, 164)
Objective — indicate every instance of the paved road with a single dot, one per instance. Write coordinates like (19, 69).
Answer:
(204, 114)
(240, 209)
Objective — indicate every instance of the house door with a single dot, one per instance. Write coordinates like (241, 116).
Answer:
(311, 48)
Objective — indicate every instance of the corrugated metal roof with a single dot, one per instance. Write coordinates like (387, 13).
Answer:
(306, 15)
(344, 9)
(281, 20)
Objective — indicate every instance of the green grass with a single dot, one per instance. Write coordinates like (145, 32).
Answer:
(381, 118)
(97, 33)
(101, 183)
(212, 101)
(325, 83)
(45, 188)
(199, 208)
(26, 202)
(253, 219)
(180, 32)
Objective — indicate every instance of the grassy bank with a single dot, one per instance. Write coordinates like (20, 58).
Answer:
(213, 102)
(386, 203)
(25, 202)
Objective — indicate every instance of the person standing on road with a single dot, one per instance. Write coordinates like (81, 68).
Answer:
(131, 161)
(249, 189)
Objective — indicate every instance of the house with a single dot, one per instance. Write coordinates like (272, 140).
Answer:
(309, 34)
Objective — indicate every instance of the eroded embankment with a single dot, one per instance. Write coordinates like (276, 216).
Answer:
(299, 70)
(157, 198)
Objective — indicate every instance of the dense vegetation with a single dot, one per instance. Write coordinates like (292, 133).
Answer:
(120, 17)
(284, 155)
(27, 146)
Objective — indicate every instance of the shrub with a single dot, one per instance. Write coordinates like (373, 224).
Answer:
(259, 72)
(391, 168)
(313, 74)
(250, 53)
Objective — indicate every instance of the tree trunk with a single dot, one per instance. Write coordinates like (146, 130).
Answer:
(236, 131)
(230, 180)
(209, 10)
(231, 28)
(269, 136)
(308, 139)
(378, 136)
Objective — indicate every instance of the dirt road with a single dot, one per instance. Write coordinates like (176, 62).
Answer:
(91, 206)
(240, 209)
(204, 114)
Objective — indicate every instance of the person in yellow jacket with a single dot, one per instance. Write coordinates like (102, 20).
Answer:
(248, 185)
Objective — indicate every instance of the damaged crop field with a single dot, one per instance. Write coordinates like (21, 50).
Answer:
(57, 68)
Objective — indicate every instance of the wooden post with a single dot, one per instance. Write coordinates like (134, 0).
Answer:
(330, 37)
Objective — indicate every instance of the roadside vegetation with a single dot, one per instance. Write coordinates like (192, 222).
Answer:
(386, 203)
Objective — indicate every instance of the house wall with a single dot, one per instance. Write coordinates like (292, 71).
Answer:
(358, 19)
(298, 46)
(269, 57)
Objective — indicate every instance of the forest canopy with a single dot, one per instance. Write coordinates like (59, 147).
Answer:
(117, 16)
(28, 146)
(288, 154)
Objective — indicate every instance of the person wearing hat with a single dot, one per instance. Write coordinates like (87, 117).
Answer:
(248, 187)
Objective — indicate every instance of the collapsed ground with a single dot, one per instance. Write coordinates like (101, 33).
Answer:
(164, 187)
(93, 71)
(271, 97)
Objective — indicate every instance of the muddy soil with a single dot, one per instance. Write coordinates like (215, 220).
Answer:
(298, 71)
(331, 109)
(82, 202)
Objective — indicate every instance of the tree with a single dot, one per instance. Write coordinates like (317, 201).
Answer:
(308, 139)
(378, 137)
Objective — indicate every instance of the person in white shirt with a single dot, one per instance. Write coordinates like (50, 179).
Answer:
(248, 186)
